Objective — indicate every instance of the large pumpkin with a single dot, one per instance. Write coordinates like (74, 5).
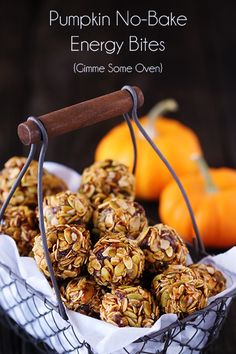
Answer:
(176, 141)
(212, 194)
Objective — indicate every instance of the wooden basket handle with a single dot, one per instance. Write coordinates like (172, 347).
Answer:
(79, 115)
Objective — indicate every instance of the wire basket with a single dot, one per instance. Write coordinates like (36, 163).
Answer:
(30, 314)
(22, 307)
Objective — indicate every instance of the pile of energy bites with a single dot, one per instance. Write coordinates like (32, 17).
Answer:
(109, 262)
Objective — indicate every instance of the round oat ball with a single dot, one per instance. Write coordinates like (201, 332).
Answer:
(107, 179)
(83, 294)
(129, 306)
(162, 246)
(21, 224)
(68, 246)
(119, 215)
(26, 193)
(115, 260)
(66, 208)
(178, 290)
(213, 278)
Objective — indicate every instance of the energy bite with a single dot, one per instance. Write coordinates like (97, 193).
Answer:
(115, 260)
(83, 294)
(162, 246)
(118, 215)
(26, 193)
(66, 208)
(68, 246)
(21, 224)
(107, 179)
(213, 278)
(129, 306)
(178, 290)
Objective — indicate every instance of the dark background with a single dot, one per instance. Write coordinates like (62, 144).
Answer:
(199, 72)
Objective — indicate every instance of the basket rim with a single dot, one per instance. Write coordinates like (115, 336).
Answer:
(32, 290)
(178, 322)
(183, 321)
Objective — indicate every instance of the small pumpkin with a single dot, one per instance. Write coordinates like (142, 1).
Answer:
(212, 194)
(176, 141)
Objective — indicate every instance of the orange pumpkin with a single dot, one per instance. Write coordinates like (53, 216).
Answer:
(175, 140)
(212, 194)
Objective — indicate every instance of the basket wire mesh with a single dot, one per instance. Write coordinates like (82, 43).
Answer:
(22, 307)
(44, 323)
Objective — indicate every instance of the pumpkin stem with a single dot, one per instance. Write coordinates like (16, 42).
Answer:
(162, 107)
(204, 169)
